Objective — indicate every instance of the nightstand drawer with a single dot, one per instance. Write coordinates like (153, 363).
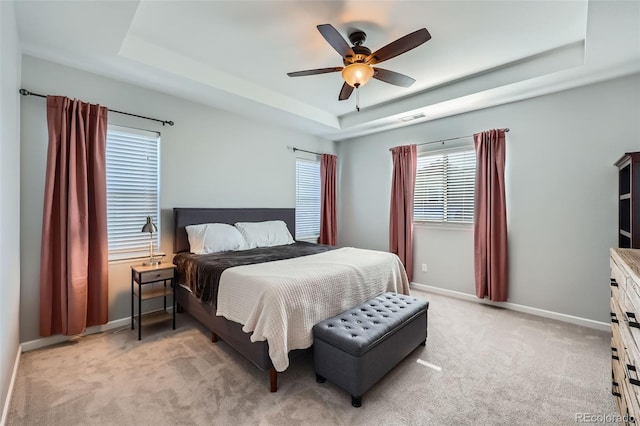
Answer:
(156, 275)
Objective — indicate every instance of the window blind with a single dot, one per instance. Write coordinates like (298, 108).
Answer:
(444, 190)
(133, 190)
(307, 199)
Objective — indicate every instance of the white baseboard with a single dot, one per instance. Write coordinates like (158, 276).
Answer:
(7, 401)
(515, 307)
(59, 338)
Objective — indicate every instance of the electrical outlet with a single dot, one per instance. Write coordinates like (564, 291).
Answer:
(424, 267)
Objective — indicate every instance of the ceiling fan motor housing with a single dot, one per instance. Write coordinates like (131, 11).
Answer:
(360, 54)
(357, 37)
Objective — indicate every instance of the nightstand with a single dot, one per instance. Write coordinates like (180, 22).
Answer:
(144, 277)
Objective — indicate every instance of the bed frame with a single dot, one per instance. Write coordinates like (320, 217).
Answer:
(229, 331)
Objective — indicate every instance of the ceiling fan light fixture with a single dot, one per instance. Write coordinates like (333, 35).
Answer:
(357, 74)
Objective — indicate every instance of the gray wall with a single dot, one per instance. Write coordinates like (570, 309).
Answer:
(561, 195)
(9, 196)
(210, 158)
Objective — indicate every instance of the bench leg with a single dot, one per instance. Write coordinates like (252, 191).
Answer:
(424, 343)
(320, 379)
(214, 337)
(356, 401)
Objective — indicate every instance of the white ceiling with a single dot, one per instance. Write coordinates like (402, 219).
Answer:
(235, 54)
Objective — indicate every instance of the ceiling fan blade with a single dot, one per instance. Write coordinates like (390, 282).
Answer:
(334, 38)
(400, 46)
(345, 92)
(314, 72)
(392, 77)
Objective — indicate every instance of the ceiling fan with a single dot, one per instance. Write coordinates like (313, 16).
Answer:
(358, 59)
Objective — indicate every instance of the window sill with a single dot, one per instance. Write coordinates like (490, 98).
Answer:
(312, 239)
(129, 258)
(450, 226)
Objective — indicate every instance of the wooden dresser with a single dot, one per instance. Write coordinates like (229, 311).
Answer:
(625, 332)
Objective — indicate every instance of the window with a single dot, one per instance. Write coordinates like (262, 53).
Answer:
(445, 184)
(133, 190)
(307, 199)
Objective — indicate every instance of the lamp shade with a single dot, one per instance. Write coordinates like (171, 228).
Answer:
(149, 226)
(357, 75)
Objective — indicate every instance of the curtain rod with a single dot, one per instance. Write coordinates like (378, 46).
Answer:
(25, 92)
(303, 150)
(450, 139)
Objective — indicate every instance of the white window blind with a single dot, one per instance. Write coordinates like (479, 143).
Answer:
(307, 199)
(445, 183)
(133, 190)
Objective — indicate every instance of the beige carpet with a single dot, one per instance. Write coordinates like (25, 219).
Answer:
(498, 367)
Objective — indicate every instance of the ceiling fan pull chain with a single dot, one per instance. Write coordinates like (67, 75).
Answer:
(357, 99)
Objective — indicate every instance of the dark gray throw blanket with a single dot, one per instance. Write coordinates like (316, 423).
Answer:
(201, 272)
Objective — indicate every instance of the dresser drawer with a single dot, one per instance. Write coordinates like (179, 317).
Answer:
(616, 293)
(628, 373)
(627, 327)
(623, 333)
(618, 274)
(630, 298)
(622, 389)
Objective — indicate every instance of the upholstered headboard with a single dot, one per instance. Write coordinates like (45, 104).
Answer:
(191, 216)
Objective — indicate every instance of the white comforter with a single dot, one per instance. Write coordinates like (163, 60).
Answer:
(281, 301)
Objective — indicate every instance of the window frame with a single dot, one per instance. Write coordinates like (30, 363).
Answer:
(137, 252)
(446, 220)
(314, 237)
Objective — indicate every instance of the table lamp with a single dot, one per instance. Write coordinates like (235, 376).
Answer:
(150, 227)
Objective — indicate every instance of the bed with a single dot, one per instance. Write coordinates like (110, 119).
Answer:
(234, 304)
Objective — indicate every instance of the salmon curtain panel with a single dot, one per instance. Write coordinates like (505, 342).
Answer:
(328, 223)
(490, 217)
(73, 265)
(401, 214)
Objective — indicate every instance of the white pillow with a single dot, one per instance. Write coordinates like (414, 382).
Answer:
(214, 238)
(265, 234)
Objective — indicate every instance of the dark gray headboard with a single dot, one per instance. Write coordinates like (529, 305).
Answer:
(191, 216)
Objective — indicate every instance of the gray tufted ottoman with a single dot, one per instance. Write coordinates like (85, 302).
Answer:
(357, 348)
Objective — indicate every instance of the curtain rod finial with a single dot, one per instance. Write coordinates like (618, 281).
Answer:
(24, 92)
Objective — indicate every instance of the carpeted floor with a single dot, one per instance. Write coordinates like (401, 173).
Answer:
(498, 367)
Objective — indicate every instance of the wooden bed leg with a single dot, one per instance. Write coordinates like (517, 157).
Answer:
(214, 337)
(273, 378)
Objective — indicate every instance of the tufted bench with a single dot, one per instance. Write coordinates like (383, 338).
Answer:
(357, 348)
